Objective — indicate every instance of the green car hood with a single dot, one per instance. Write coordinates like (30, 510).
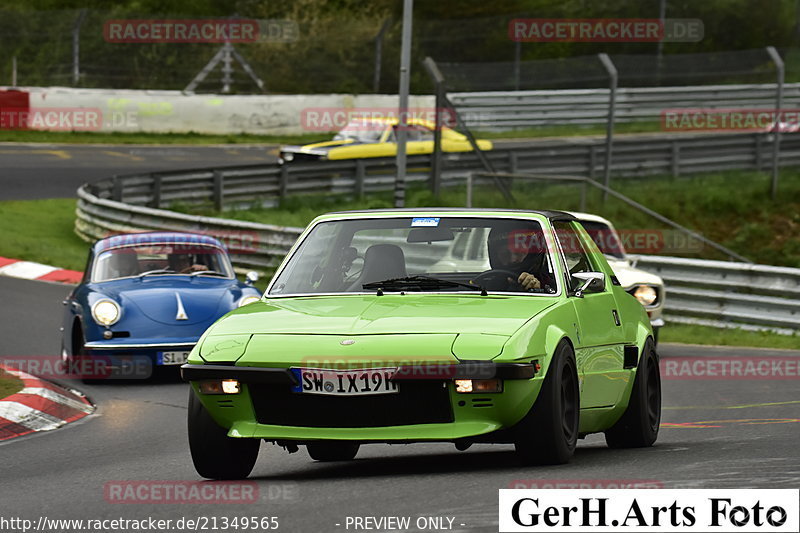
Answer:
(389, 327)
(379, 315)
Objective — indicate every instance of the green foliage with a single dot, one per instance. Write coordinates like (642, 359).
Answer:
(42, 231)
(691, 334)
(9, 384)
(336, 45)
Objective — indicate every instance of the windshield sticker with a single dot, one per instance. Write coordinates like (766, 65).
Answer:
(425, 222)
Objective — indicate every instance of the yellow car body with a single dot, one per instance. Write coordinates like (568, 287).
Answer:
(376, 137)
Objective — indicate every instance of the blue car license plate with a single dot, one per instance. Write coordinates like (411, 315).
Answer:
(172, 358)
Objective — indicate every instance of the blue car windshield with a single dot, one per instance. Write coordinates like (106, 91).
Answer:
(161, 259)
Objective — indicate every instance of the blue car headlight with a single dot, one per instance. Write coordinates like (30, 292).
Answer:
(106, 312)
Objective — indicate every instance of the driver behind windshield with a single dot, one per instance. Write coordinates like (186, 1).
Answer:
(520, 254)
(183, 264)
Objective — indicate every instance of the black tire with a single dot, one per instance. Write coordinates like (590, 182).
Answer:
(549, 432)
(332, 450)
(214, 454)
(81, 361)
(638, 427)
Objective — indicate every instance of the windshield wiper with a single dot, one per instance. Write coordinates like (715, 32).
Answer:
(157, 271)
(421, 282)
(209, 273)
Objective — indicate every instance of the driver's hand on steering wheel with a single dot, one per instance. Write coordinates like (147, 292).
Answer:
(194, 268)
(529, 281)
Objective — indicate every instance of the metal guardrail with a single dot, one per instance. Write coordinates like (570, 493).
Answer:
(499, 110)
(727, 294)
(606, 190)
(635, 156)
(252, 246)
(717, 293)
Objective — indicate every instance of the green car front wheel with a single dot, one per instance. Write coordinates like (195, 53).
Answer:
(549, 432)
(216, 455)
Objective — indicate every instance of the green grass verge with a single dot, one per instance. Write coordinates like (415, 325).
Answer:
(9, 384)
(89, 137)
(690, 334)
(569, 130)
(84, 137)
(42, 231)
(733, 208)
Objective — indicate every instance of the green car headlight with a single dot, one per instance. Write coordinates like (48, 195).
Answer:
(220, 386)
(473, 386)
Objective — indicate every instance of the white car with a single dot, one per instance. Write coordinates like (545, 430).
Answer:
(469, 249)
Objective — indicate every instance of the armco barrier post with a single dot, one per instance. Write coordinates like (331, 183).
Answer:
(284, 184)
(116, 192)
(776, 147)
(360, 173)
(439, 103)
(156, 201)
(676, 159)
(376, 80)
(218, 190)
(612, 98)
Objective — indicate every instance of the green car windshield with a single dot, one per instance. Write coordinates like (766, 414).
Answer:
(419, 254)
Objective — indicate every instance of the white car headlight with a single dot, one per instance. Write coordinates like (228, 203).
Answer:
(646, 294)
(248, 300)
(106, 312)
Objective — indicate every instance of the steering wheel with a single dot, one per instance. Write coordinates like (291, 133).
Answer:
(354, 276)
(495, 273)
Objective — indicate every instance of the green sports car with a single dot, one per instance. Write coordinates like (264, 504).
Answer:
(357, 341)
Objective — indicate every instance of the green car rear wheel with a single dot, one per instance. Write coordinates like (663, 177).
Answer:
(638, 427)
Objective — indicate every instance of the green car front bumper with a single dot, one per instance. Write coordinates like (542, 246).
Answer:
(425, 408)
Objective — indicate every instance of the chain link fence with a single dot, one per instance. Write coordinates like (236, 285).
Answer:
(339, 50)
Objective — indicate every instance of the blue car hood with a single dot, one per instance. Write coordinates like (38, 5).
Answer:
(162, 301)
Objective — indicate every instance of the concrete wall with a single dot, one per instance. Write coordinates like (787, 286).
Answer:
(173, 111)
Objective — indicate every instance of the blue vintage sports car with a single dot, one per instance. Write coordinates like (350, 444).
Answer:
(144, 300)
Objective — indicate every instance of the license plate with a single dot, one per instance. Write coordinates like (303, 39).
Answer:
(360, 382)
(172, 358)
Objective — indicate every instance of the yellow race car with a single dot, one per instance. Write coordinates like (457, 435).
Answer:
(376, 137)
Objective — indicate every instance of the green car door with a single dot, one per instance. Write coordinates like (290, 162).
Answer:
(598, 331)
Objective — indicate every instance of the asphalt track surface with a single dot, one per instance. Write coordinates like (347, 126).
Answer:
(715, 434)
(34, 171)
